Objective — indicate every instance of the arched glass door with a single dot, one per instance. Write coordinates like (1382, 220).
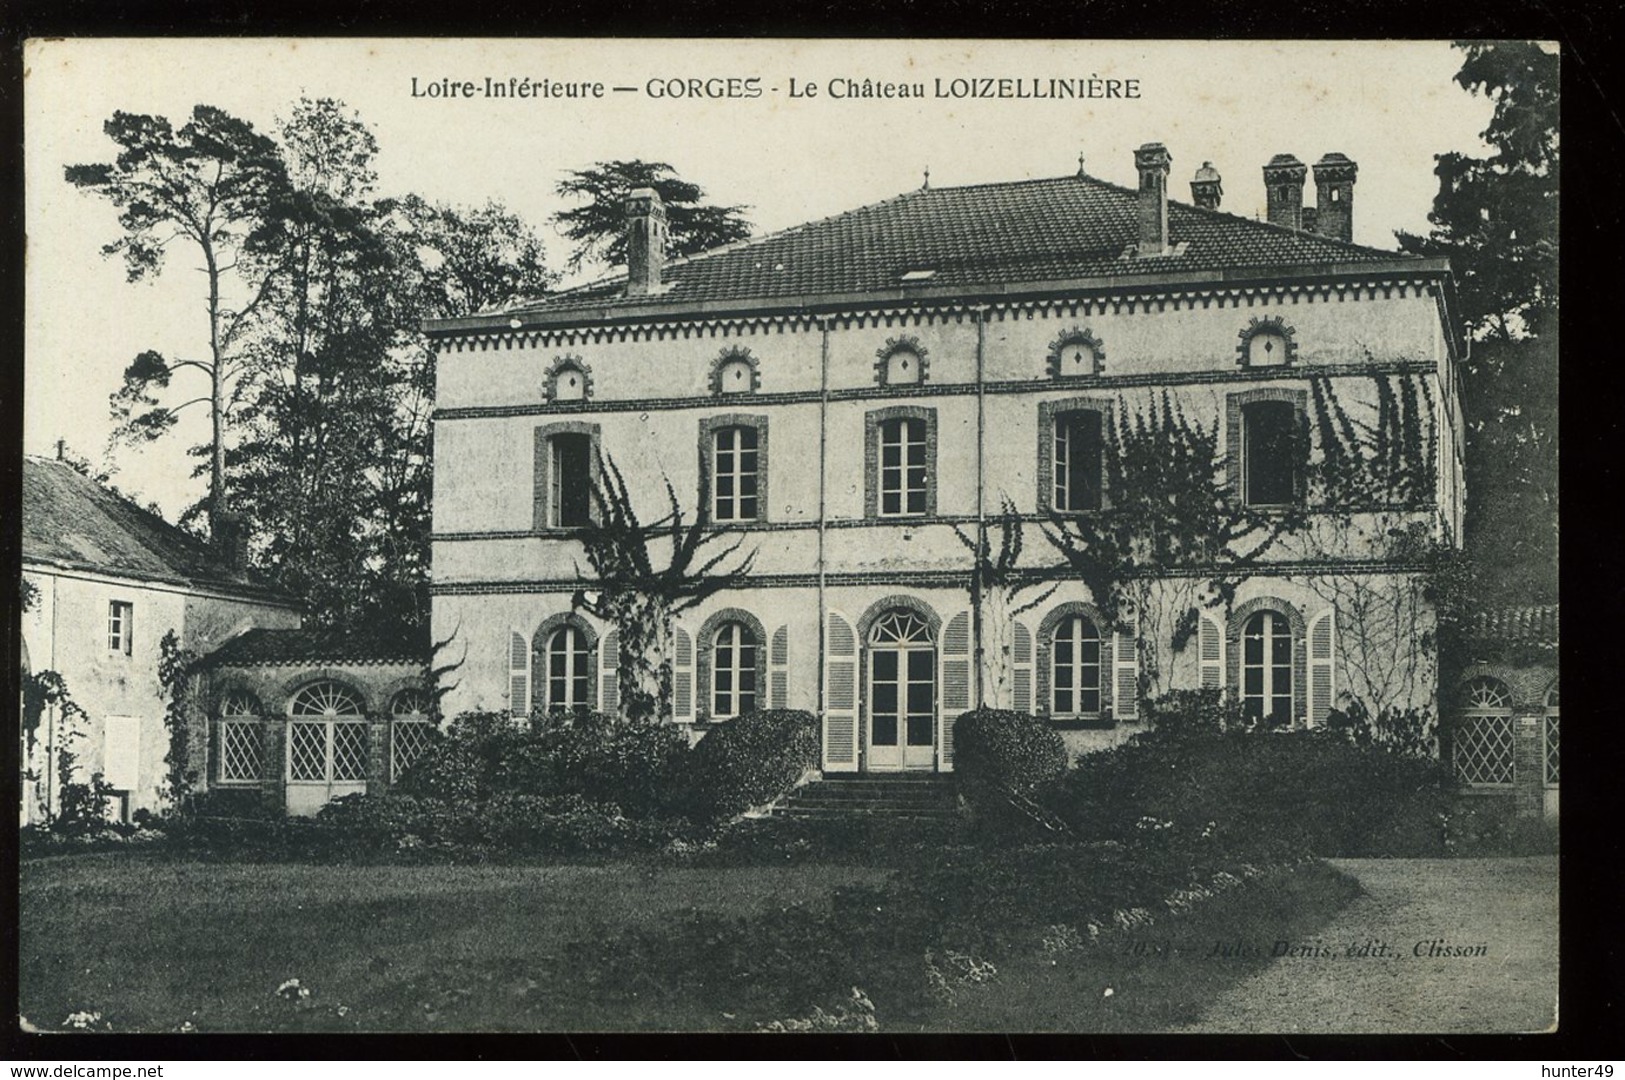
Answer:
(902, 693)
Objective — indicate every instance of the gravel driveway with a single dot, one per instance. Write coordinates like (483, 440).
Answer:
(1490, 926)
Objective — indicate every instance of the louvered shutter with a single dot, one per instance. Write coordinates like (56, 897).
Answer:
(1322, 646)
(1125, 675)
(840, 695)
(1210, 644)
(609, 683)
(518, 675)
(955, 679)
(1021, 668)
(778, 669)
(682, 676)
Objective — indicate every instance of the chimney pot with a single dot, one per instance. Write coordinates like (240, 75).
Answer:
(1206, 190)
(1153, 162)
(1334, 196)
(1283, 189)
(645, 241)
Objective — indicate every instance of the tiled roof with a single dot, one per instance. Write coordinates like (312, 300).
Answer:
(73, 522)
(1531, 624)
(983, 235)
(261, 646)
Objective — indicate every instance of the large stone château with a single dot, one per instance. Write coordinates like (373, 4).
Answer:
(863, 391)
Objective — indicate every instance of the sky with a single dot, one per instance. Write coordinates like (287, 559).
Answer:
(788, 155)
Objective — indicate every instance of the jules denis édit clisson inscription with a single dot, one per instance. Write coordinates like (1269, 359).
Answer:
(1369, 949)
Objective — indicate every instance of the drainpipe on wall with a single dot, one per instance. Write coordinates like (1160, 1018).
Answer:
(823, 439)
(981, 498)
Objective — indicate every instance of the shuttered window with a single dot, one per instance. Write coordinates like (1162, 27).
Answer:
(568, 683)
(733, 671)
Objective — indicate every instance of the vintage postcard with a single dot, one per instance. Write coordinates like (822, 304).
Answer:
(790, 535)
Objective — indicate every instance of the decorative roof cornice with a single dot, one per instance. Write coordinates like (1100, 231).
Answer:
(1077, 299)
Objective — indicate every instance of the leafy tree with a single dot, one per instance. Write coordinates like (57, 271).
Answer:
(205, 184)
(598, 227)
(1495, 217)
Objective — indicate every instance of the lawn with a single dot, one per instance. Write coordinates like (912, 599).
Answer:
(154, 943)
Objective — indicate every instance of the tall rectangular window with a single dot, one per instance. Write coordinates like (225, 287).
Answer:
(903, 472)
(120, 619)
(571, 477)
(734, 474)
(1269, 453)
(1077, 461)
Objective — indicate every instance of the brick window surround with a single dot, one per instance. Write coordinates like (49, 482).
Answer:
(709, 426)
(542, 465)
(1046, 658)
(706, 645)
(1237, 626)
(871, 459)
(539, 689)
(1235, 414)
(1048, 413)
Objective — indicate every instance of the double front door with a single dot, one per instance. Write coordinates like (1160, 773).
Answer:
(902, 695)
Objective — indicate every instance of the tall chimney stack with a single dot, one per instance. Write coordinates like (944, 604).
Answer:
(1153, 161)
(1283, 188)
(1206, 191)
(1334, 196)
(645, 241)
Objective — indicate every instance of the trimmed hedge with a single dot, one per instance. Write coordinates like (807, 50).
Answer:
(1308, 791)
(1193, 712)
(1001, 750)
(749, 761)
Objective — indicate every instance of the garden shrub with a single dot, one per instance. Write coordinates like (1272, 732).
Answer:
(749, 761)
(1193, 712)
(998, 750)
(1249, 792)
(1412, 732)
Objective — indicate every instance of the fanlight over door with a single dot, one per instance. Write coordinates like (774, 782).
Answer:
(902, 694)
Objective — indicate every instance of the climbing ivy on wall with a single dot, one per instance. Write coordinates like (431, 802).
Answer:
(627, 589)
(178, 686)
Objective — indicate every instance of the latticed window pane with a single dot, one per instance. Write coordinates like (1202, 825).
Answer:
(1551, 750)
(1483, 750)
(241, 752)
(239, 703)
(349, 751)
(409, 739)
(307, 751)
(325, 699)
(1487, 693)
(410, 703)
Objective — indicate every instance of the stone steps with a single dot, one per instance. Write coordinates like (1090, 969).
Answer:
(919, 797)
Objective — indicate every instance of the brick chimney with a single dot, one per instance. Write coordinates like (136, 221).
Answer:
(1334, 196)
(645, 241)
(1206, 191)
(229, 532)
(1153, 161)
(1283, 188)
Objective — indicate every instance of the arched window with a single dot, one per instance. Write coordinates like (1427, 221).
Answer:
(569, 384)
(733, 671)
(902, 368)
(1266, 669)
(324, 699)
(902, 361)
(1481, 750)
(410, 704)
(736, 377)
(568, 684)
(327, 736)
(240, 754)
(1075, 668)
